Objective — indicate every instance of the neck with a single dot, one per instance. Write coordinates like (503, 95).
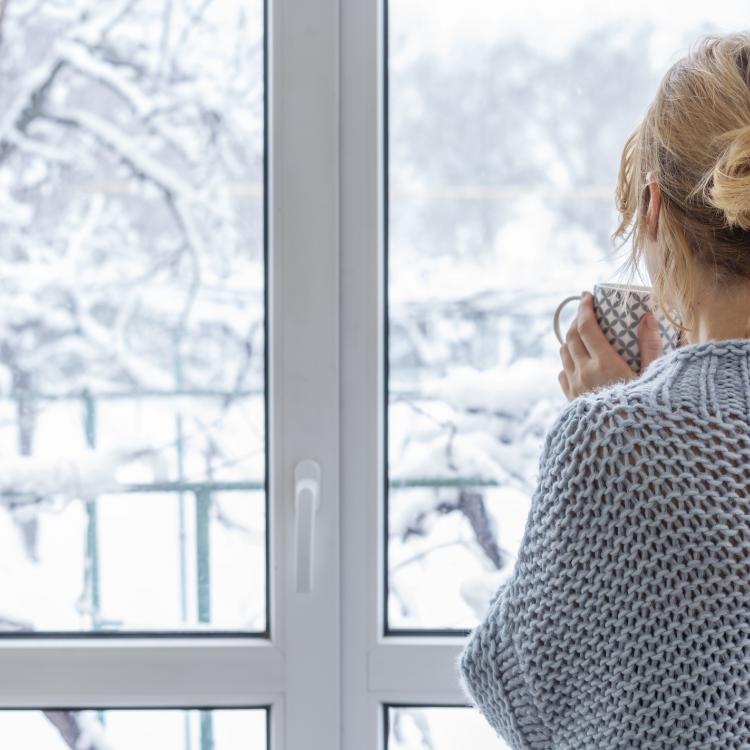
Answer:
(721, 315)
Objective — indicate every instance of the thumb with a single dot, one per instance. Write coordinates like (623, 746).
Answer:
(649, 340)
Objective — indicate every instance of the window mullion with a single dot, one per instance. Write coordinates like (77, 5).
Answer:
(304, 190)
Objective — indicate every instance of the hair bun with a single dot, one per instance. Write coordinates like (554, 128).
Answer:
(730, 191)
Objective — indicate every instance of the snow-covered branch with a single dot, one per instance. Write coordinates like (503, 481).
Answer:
(31, 479)
(128, 151)
(27, 103)
(81, 58)
(63, 477)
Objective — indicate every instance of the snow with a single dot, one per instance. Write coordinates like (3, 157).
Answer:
(506, 125)
(93, 734)
(81, 58)
(131, 334)
(132, 271)
(76, 476)
(233, 729)
(511, 390)
(440, 728)
(141, 163)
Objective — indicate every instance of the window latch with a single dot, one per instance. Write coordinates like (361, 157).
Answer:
(306, 504)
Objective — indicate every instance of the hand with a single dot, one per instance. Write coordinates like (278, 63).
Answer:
(590, 361)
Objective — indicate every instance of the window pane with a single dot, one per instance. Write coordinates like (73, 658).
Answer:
(132, 340)
(439, 728)
(505, 128)
(227, 729)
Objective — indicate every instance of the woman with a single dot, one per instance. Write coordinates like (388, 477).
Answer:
(626, 620)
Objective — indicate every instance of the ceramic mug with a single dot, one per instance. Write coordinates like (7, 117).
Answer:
(618, 314)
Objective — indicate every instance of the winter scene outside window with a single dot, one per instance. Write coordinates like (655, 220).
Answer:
(235, 729)
(505, 128)
(132, 344)
(437, 728)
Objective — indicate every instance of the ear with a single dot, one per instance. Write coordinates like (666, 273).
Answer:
(654, 204)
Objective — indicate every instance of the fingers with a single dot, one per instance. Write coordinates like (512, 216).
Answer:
(590, 361)
(649, 340)
(574, 356)
(562, 378)
(567, 360)
(588, 327)
(565, 376)
(574, 344)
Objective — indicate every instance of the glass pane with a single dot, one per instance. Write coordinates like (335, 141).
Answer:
(439, 728)
(132, 340)
(505, 128)
(226, 729)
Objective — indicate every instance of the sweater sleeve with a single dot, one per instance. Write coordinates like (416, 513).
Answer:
(529, 619)
(491, 677)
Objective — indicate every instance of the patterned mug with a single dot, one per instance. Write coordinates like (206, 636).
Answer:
(618, 315)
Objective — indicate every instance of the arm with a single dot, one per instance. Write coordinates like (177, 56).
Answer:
(508, 658)
(491, 677)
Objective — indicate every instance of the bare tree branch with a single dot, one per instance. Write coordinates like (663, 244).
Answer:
(28, 104)
(66, 724)
(472, 505)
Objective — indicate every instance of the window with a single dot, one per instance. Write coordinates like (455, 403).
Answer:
(241, 235)
(135, 346)
(502, 131)
(161, 238)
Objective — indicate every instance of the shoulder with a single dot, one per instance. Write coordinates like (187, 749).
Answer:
(609, 425)
(597, 460)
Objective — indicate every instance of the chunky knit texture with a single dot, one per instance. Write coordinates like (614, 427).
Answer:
(625, 622)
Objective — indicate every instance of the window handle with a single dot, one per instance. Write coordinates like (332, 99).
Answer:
(306, 504)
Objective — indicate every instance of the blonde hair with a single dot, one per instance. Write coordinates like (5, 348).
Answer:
(695, 139)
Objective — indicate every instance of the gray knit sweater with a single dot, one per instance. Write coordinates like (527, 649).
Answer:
(625, 622)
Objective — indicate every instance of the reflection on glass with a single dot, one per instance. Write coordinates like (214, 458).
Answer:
(132, 344)
(439, 728)
(227, 729)
(505, 130)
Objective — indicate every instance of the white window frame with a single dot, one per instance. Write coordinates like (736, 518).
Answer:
(327, 671)
(295, 673)
(378, 670)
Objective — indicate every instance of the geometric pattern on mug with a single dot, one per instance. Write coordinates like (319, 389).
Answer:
(619, 323)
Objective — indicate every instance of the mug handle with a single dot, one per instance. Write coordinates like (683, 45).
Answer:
(556, 319)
